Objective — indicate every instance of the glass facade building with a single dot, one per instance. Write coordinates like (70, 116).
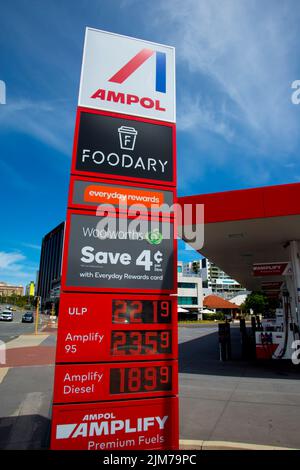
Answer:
(50, 262)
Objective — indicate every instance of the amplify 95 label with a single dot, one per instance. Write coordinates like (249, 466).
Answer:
(106, 344)
(115, 258)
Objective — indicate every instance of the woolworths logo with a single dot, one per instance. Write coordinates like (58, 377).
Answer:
(154, 237)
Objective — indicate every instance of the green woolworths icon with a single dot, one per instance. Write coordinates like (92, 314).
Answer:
(154, 237)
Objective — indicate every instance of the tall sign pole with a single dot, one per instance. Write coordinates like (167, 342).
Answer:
(116, 374)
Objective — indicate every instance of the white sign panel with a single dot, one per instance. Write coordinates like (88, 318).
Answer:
(128, 75)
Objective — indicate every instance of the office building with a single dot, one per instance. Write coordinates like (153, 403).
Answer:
(7, 290)
(189, 292)
(50, 264)
(30, 289)
(214, 280)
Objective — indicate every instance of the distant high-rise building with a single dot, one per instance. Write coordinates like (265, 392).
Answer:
(30, 289)
(189, 291)
(50, 263)
(214, 279)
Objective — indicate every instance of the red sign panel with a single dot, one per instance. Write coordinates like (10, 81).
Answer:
(269, 269)
(103, 382)
(76, 310)
(271, 286)
(112, 327)
(136, 424)
(90, 193)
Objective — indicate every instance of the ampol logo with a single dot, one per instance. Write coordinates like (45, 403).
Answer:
(137, 61)
(127, 75)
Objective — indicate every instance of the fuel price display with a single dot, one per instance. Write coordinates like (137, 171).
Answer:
(141, 311)
(119, 328)
(101, 382)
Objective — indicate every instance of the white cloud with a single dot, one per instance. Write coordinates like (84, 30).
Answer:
(196, 115)
(49, 122)
(244, 55)
(32, 245)
(9, 260)
(15, 269)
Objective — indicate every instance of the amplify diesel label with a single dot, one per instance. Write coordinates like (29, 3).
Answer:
(137, 424)
(126, 148)
(112, 253)
(101, 382)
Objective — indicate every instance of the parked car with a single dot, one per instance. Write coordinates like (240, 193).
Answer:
(27, 317)
(6, 315)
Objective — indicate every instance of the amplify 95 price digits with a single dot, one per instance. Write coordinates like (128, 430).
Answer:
(141, 311)
(141, 342)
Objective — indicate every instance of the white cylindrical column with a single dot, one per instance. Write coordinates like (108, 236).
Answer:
(295, 260)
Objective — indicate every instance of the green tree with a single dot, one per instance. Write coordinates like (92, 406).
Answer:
(256, 301)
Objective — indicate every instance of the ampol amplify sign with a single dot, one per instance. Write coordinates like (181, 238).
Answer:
(271, 269)
(130, 425)
(128, 75)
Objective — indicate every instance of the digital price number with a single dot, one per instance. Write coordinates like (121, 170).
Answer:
(141, 342)
(141, 311)
(140, 379)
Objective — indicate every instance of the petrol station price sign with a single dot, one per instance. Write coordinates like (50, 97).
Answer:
(116, 373)
(107, 344)
(107, 327)
(109, 253)
(102, 382)
(126, 148)
(78, 310)
(136, 424)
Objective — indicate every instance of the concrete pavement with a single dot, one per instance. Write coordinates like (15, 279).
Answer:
(236, 401)
(233, 405)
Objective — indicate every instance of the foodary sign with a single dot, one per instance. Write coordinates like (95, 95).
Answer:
(109, 145)
(127, 75)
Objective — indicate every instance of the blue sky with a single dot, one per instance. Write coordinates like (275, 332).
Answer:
(237, 126)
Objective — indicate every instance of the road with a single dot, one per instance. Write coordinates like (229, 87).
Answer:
(231, 402)
(11, 330)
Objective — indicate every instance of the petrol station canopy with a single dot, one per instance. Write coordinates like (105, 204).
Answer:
(249, 226)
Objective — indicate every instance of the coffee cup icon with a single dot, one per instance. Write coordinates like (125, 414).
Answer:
(127, 136)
